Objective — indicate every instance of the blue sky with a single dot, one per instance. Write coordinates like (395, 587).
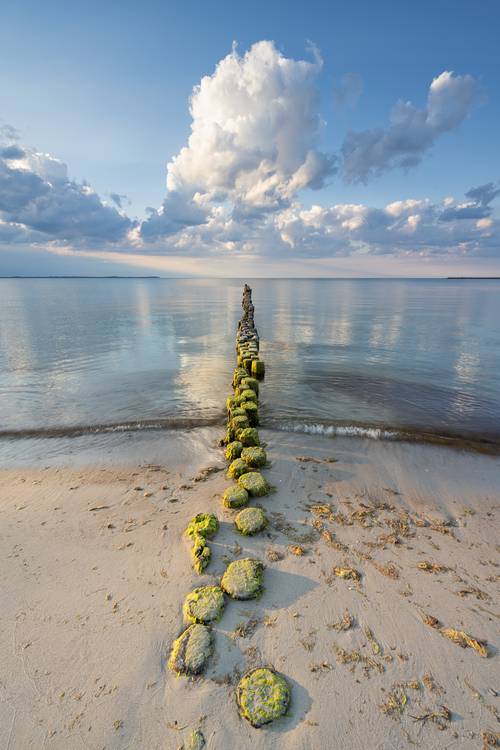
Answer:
(104, 88)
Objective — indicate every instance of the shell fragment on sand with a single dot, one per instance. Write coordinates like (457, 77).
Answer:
(262, 696)
(243, 579)
(203, 605)
(254, 483)
(254, 456)
(250, 521)
(235, 497)
(248, 436)
(191, 651)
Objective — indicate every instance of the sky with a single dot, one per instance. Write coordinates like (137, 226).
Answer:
(232, 139)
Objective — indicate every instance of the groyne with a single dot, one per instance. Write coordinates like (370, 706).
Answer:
(262, 695)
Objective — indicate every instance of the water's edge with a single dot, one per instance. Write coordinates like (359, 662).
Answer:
(489, 445)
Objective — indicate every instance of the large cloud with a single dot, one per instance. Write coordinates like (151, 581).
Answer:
(253, 143)
(40, 202)
(405, 227)
(234, 190)
(412, 131)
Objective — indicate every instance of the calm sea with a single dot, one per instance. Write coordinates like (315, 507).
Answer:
(375, 357)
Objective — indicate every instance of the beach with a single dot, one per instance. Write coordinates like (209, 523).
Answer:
(95, 571)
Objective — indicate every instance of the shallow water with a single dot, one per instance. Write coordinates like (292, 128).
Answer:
(371, 356)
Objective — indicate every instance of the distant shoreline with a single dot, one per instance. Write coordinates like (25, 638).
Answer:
(278, 278)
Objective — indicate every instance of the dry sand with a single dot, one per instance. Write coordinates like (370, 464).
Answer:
(94, 572)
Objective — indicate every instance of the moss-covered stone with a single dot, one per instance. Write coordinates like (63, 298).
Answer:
(258, 369)
(237, 468)
(243, 578)
(251, 383)
(248, 436)
(204, 524)
(228, 437)
(248, 394)
(239, 423)
(237, 411)
(238, 400)
(233, 450)
(254, 483)
(252, 412)
(234, 497)
(238, 374)
(229, 403)
(262, 696)
(191, 651)
(200, 553)
(204, 605)
(254, 456)
(250, 521)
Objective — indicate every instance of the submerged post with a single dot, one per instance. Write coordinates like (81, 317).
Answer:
(247, 338)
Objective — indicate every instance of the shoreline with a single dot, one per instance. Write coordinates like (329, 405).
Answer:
(95, 571)
(61, 440)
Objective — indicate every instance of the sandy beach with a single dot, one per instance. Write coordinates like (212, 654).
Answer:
(95, 569)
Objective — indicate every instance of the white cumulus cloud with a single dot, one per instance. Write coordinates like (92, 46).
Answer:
(412, 131)
(39, 202)
(253, 143)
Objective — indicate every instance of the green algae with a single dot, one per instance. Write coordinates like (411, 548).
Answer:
(243, 579)
(258, 369)
(204, 524)
(238, 375)
(262, 696)
(251, 384)
(237, 468)
(191, 650)
(252, 412)
(250, 521)
(229, 403)
(248, 436)
(204, 604)
(254, 456)
(254, 483)
(239, 423)
(233, 450)
(200, 553)
(235, 497)
(248, 394)
(236, 411)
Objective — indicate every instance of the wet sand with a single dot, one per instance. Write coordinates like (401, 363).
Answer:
(95, 569)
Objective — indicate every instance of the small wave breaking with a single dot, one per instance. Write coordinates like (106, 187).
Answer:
(374, 433)
(167, 423)
(389, 433)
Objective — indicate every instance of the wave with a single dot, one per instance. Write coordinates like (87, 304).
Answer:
(371, 432)
(166, 423)
(488, 445)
